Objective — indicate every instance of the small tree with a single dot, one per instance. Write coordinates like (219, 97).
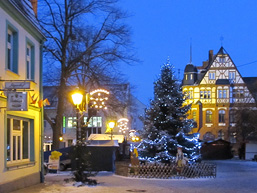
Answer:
(165, 118)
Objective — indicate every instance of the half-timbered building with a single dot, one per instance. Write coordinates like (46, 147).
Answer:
(216, 90)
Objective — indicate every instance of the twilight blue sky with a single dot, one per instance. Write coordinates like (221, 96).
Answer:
(162, 28)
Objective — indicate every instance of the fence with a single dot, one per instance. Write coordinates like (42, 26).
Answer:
(169, 171)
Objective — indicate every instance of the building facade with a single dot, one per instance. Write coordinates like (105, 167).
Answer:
(216, 90)
(20, 77)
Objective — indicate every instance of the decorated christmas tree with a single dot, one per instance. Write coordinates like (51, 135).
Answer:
(165, 121)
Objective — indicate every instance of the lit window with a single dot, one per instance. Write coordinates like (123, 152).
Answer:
(194, 115)
(71, 122)
(94, 121)
(221, 116)
(208, 116)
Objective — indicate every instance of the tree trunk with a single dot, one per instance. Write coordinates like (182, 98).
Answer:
(57, 129)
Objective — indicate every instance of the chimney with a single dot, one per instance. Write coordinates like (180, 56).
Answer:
(34, 6)
(210, 56)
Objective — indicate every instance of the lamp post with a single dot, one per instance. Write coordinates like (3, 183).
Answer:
(111, 125)
(83, 101)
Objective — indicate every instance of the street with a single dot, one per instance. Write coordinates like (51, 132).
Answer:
(232, 176)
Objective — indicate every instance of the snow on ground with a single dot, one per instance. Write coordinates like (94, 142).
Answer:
(232, 176)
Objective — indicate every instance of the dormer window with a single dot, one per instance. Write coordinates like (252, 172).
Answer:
(211, 75)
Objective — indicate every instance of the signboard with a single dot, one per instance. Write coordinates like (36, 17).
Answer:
(17, 85)
(17, 101)
(53, 163)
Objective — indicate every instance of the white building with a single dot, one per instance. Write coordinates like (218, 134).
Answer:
(21, 123)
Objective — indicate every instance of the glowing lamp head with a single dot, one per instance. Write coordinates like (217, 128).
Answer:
(111, 124)
(77, 98)
(61, 138)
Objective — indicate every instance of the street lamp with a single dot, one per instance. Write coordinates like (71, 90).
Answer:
(82, 100)
(111, 126)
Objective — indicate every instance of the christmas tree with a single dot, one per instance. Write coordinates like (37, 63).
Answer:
(165, 121)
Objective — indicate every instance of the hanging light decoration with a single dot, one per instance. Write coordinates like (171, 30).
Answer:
(123, 125)
(98, 99)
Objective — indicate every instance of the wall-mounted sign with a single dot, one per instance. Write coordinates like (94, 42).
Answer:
(17, 85)
(17, 101)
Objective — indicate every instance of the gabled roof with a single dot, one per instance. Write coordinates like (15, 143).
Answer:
(25, 10)
(251, 83)
(221, 51)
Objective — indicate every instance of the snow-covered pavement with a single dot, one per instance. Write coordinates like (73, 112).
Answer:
(232, 176)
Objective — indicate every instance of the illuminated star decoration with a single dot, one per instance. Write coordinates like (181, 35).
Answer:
(98, 98)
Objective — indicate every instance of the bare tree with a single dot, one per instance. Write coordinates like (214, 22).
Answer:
(86, 39)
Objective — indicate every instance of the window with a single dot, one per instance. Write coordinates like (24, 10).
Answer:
(194, 115)
(211, 75)
(71, 122)
(232, 137)
(94, 121)
(30, 60)
(232, 118)
(191, 76)
(222, 93)
(208, 116)
(221, 116)
(12, 48)
(232, 75)
(222, 60)
(70, 142)
(221, 134)
(186, 76)
(238, 93)
(18, 139)
(190, 94)
(205, 94)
